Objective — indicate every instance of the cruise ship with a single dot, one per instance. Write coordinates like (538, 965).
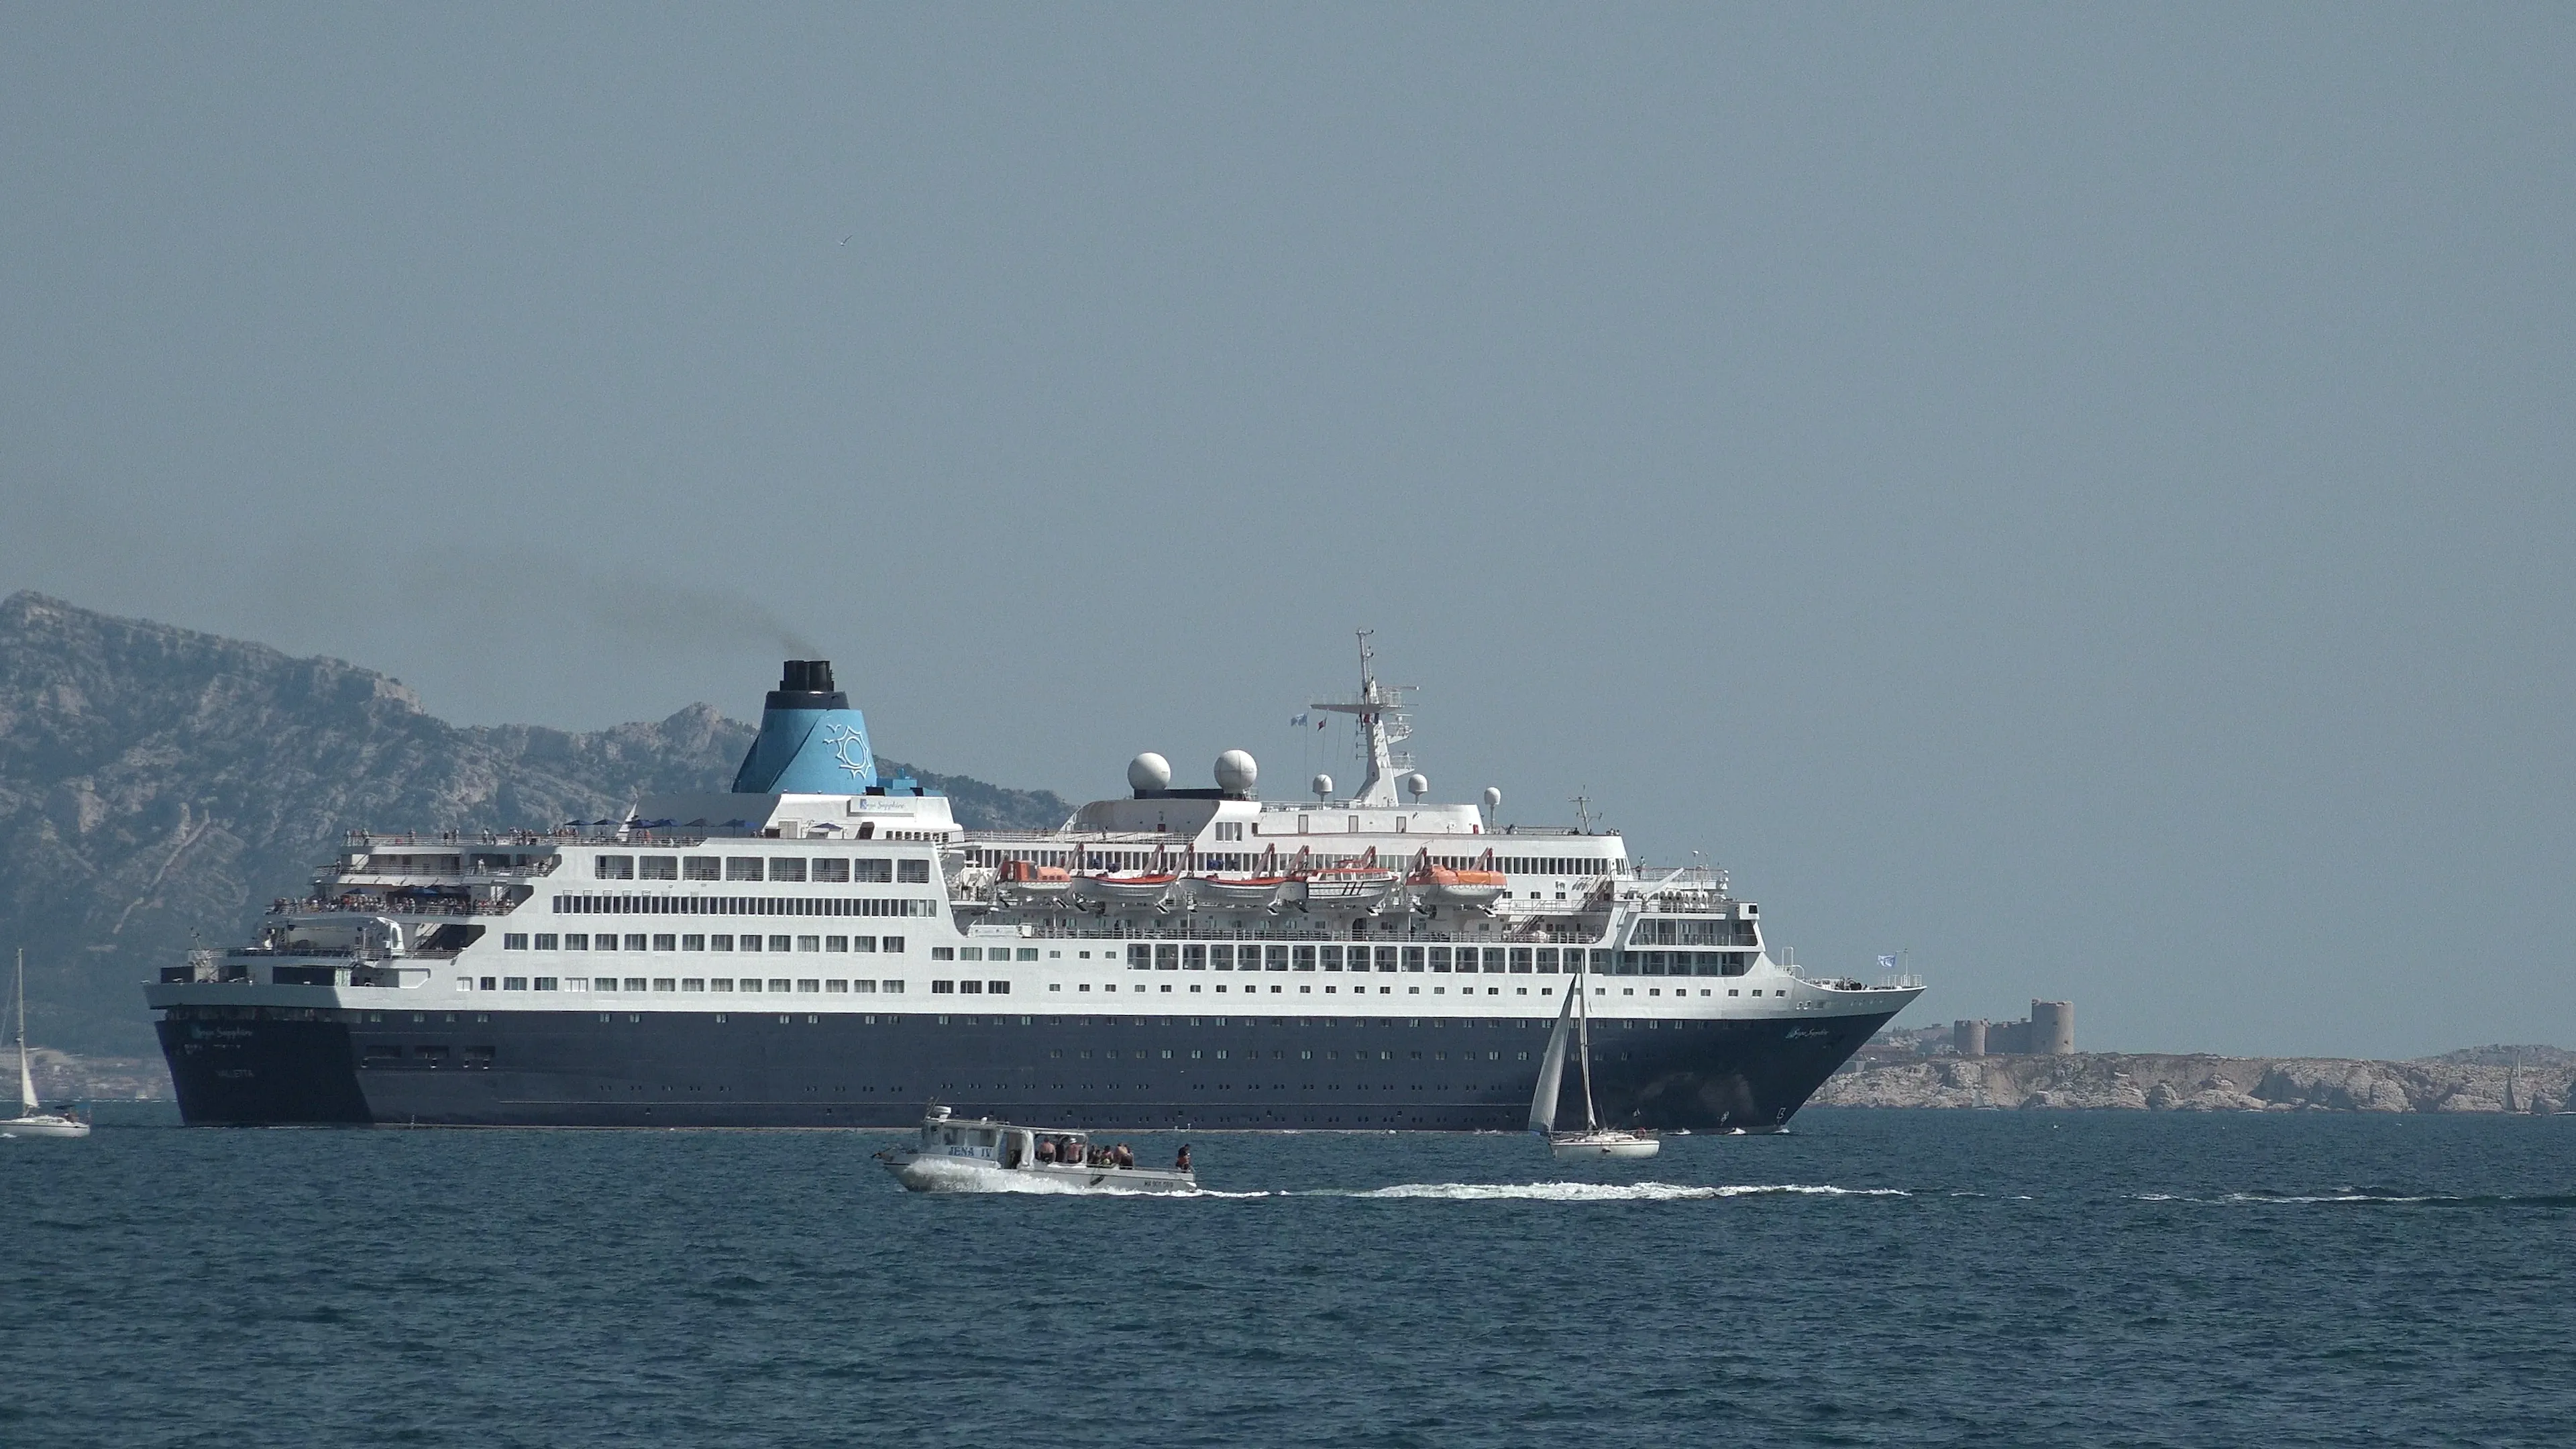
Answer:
(819, 947)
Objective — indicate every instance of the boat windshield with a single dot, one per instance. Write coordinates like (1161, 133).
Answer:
(961, 1141)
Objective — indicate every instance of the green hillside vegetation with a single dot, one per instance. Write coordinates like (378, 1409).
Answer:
(159, 787)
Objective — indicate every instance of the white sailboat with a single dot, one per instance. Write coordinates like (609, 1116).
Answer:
(1594, 1141)
(30, 1122)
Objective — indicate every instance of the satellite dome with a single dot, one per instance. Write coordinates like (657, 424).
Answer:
(1149, 771)
(1322, 785)
(1236, 772)
(1417, 784)
(1493, 799)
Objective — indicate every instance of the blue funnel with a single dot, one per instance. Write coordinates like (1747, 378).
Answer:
(811, 742)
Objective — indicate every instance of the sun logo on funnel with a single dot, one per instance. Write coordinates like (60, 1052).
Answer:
(840, 737)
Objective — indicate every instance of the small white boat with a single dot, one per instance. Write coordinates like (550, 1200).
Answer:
(1348, 888)
(31, 1122)
(1125, 888)
(1238, 892)
(979, 1154)
(1595, 1142)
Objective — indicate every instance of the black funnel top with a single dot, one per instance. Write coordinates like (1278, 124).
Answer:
(807, 684)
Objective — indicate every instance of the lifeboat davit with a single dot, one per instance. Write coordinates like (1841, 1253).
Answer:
(1125, 887)
(1023, 878)
(1348, 888)
(1238, 892)
(1457, 887)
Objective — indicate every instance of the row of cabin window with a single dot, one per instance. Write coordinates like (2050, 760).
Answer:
(983, 953)
(665, 905)
(972, 988)
(1330, 1054)
(1702, 932)
(603, 941)
(682, 983)
(829, 868)
(1497, 960)
(1533, 864)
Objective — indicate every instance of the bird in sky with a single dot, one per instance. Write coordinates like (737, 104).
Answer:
(845, 241)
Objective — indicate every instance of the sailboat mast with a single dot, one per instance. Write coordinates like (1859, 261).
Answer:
(1583, 1034)
(26, 1076)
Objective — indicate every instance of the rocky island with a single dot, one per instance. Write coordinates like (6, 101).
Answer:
(2483, 1079)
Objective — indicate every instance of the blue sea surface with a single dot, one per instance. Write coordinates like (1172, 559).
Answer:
(1872, 1277)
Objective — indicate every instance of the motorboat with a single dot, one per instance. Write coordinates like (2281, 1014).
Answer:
(979, 1154)
(1595, 1142)
(32, 1120)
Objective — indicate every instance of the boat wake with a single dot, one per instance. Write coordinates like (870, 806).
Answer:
(1607, 1191)
(2367, 1196)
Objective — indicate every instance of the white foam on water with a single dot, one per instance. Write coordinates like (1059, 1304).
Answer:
(2282, 1199)
(1604, 1191)
(2288, 1199)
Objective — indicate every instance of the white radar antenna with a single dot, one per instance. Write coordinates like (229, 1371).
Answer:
(1383, 724)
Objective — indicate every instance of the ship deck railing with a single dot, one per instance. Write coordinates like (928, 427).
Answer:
(470, 872)
(1072, 836)
(382, 906)
(1285, 934)
(461, 838)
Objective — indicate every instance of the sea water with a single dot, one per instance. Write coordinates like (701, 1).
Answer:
(1872, 1277)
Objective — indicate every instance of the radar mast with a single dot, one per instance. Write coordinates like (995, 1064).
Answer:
(1383, 724)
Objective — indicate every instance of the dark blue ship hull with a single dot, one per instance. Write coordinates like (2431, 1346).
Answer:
(250, 1066)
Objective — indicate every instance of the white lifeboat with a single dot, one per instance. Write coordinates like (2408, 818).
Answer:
(1238, 892)
(1125, 886)
(1348, 888)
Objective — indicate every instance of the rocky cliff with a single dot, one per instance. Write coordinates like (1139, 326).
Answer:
(2538, 1079)
(158, 787)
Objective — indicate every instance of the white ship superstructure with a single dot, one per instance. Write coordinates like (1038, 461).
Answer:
(818, 947)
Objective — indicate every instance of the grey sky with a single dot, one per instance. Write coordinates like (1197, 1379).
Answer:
(2079, 493)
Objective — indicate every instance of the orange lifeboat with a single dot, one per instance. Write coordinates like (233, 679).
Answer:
(1457, 887)
(1026, 878)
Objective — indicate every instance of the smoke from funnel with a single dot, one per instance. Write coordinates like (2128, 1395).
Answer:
(504, 588)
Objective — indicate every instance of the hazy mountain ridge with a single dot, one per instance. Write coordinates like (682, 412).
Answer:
(159, 786)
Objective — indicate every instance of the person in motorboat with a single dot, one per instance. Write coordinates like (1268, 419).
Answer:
(1181, 1163)
(1046, 1151)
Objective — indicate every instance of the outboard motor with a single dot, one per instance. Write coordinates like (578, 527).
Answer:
(811, 741)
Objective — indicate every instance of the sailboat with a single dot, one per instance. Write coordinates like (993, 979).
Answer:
(1594, 1141)
(30, 1122)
